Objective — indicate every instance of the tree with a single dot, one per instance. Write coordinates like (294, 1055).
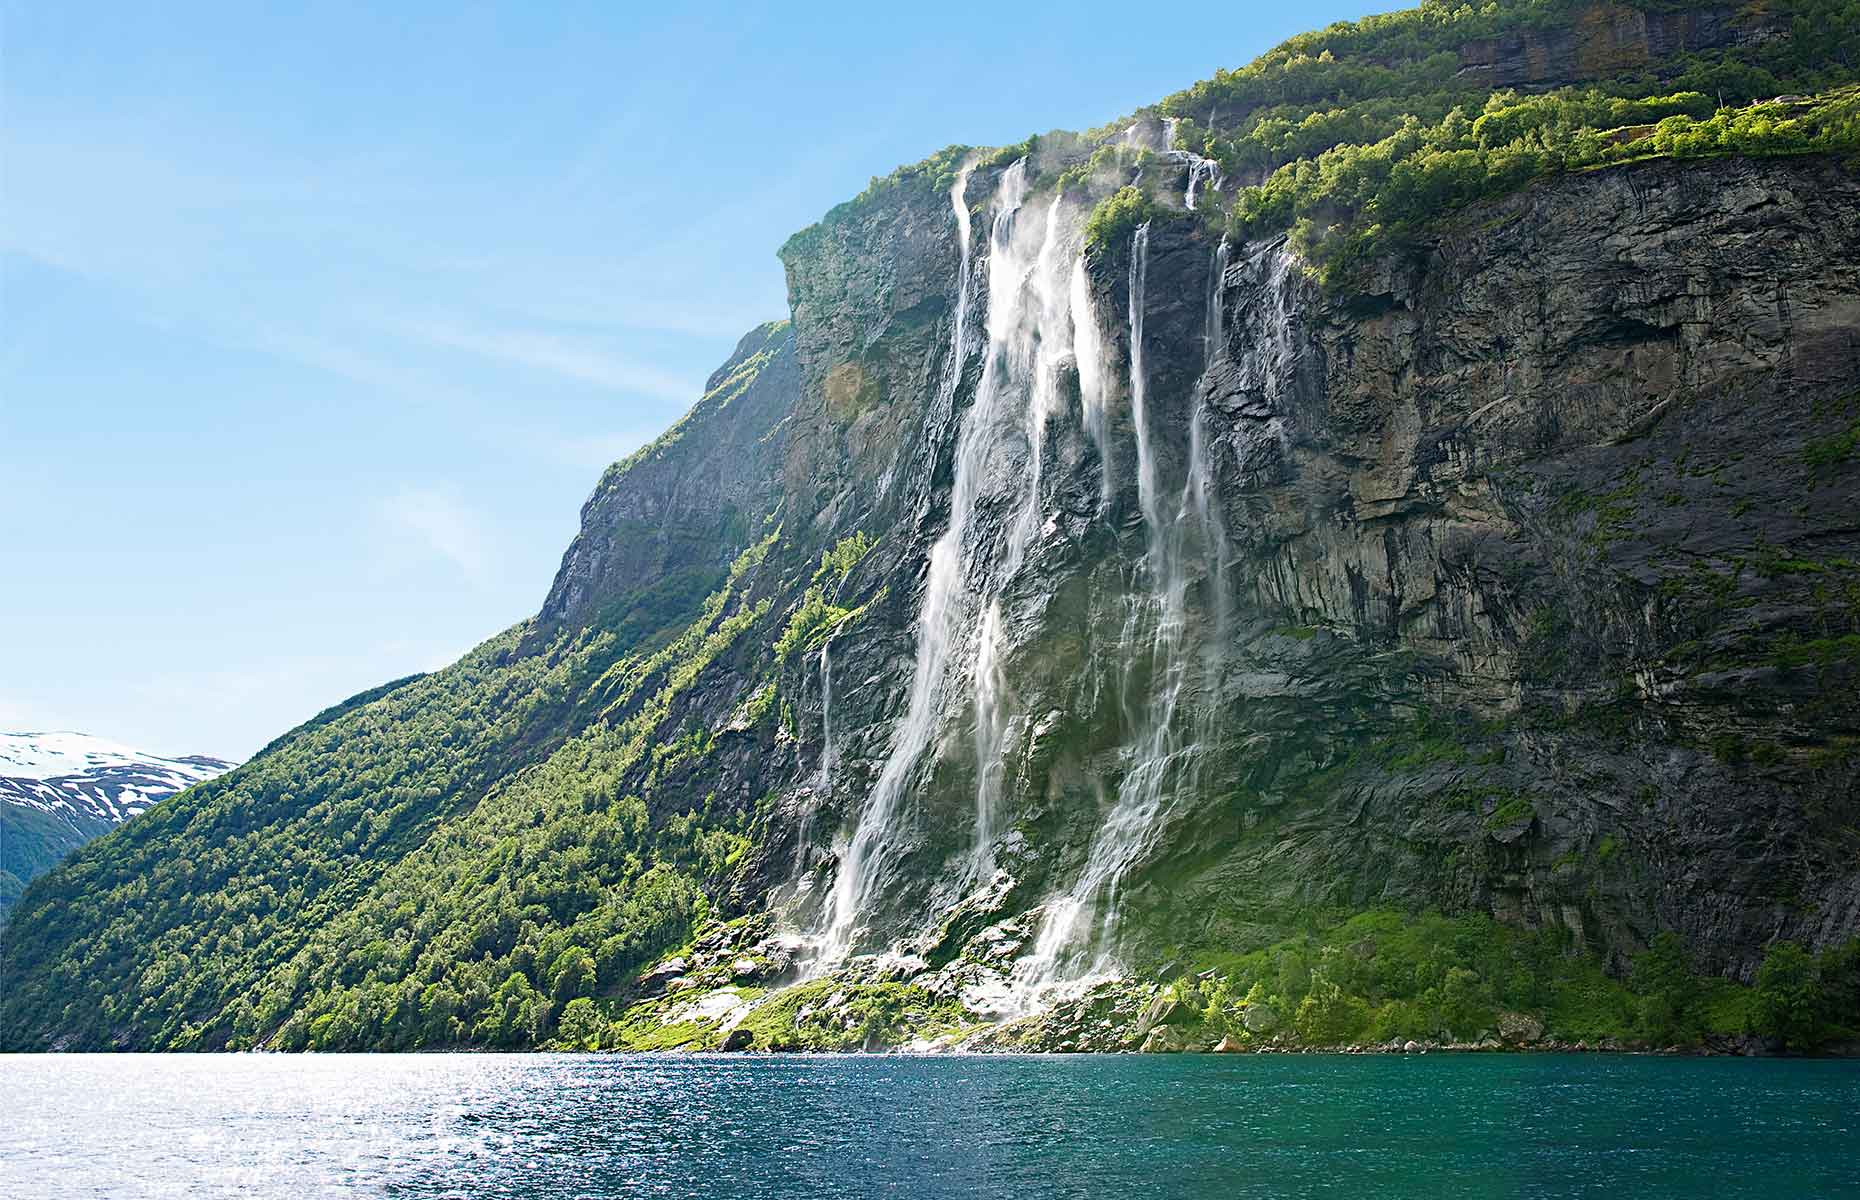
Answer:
(580, 1026)
(1465, 1007)
(1330, 1016)
(1668, 992)
(1789, 997)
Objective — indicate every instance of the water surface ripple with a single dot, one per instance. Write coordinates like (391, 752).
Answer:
(775, 1127)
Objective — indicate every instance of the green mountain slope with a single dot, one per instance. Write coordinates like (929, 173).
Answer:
(381, 824)
(1503, 614)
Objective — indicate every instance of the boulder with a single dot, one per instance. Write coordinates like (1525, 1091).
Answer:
(1160, 1011)
(1519, 1028)
(1164, 1039)
(656, 979)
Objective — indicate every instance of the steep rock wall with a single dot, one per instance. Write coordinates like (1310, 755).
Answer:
(1476, 513)
(1608, 39)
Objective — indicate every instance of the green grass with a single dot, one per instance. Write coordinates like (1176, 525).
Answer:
(1385, 974)
(805, 1017)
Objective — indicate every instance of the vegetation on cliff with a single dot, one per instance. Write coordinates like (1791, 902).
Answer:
(1354, 137)
(498, 853)
(450, 859)
(1386, 976)
(1356, 199)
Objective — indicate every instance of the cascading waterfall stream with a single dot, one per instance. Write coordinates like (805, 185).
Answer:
(826, 720)
(943, 614)
(1030, 344)
(1200, 170)
(1199, 493)
(1184, 536)
(852, 882)
(1038, 325)
(1088, 351)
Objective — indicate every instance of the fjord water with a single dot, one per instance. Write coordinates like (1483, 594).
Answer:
(778, 1127)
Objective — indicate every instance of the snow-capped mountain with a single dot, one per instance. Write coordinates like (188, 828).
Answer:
(59, 790)
(77, 773)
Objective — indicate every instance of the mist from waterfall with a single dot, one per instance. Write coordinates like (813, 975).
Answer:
(1088, 351)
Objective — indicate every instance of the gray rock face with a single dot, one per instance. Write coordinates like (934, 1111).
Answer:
(1519, 1028)
(1610, 39)
(1545, 474)
(1533, 589)
(675, 512)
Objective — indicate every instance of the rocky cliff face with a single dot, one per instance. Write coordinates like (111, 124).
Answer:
(1610, 39)
(1072, 603)
(1541, 481)
(1518, 577)
(683, 506)
(1509, 580)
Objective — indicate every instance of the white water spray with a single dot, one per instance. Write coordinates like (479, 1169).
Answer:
(941, 614)
(1039, 326)
(1185, 538)
(825, 784)
(1088, 350)
(1030, 348)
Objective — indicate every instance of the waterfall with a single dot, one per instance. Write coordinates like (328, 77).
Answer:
(825, 786)
(945, 608)
(1184, 538)
(1200, 170)
(1088, 350)
(1199, 493)
(1040, 324)
(1031, 342)
(1147, 486)
(853, 880)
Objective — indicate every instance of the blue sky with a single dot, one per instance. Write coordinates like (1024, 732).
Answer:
(319, 321)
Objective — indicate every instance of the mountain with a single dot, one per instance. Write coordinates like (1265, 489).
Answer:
(59, 790)
(1362, 550)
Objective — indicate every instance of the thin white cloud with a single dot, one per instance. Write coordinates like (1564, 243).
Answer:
(572, 358)
(442, 524)
(387, 377)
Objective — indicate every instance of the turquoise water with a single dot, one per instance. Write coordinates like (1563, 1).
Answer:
(1279, 1126)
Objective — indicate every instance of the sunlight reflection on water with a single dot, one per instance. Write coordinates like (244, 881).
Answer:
(561, 1125)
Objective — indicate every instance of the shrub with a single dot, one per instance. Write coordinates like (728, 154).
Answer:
(1789, 997)
(1669, 992)
(1117, 217)
(1328, 1016)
